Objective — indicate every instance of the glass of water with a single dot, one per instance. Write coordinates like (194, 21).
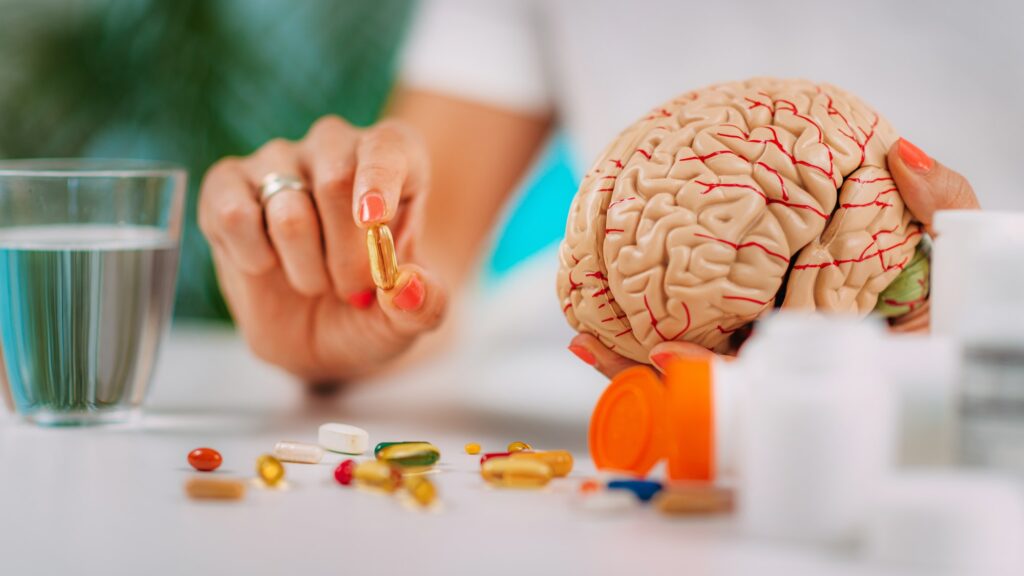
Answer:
(88, 260)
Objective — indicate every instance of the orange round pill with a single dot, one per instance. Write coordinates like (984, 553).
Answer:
(589, 485)
(205, 459)
(629, 426)
(689, 398)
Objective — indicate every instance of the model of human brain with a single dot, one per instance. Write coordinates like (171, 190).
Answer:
(727, 202)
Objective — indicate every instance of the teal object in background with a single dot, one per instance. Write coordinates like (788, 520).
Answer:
(536, 220)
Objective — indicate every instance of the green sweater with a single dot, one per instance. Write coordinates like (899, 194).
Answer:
(188, 81)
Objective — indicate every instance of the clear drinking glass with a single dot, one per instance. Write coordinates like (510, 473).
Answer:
(88, 261)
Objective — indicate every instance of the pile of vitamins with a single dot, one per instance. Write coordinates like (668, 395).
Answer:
(403, 468)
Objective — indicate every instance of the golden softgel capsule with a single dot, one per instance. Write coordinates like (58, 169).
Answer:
(560, 461)
(380, 245)
(421, 489)
(378, 474)
(269, 469)
(507, 472)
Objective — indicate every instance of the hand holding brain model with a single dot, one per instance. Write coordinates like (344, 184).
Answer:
(730, 201)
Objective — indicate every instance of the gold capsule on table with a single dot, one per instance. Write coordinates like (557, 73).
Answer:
(472, 448)
(378, 474)
(560, 461)
(421, 489)
(215, 488)
(694, 500)
(508, 472)
(269, 469)
(518, 447)
(380, 245)
(410, 454)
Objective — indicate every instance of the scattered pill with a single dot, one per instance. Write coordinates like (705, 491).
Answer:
(560, 461)
(589, 485)
(518, 447)
(343, 438)
(213, 488)
(382, 445)
(269, 469)
(377, 474)
(643, 489)
(410, 454)
(694, 500)
(490, 455)
(287, 451)
(343, 473)
(510, 472)
(472, 448)
(380, 245)
(421, 489)
(205, 459)
(608, 501)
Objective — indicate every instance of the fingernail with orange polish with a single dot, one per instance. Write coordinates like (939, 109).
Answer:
(362, 300)
(371, 208)
(583, 354)
(410, 297)
(914, 157)
(662, 360)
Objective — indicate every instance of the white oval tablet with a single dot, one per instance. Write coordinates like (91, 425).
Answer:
(608, 501)
(287, 451)
(344, 438)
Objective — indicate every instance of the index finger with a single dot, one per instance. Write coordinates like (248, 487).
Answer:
(390, 164)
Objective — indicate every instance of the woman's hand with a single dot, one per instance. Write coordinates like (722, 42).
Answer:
(926, 187)
(295, 271)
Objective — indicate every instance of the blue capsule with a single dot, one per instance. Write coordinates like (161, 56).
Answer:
(643, 489)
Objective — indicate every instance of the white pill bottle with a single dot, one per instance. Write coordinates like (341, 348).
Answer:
(815, 432)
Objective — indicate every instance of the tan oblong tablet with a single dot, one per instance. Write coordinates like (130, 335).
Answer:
(694, 500)
(215, 488)
(380, 246)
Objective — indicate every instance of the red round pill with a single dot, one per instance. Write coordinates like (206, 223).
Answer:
(205, 459)
(343, 473)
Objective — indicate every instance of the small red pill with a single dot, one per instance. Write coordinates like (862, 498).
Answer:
(490, 455)
(343, 473)
(205, 459)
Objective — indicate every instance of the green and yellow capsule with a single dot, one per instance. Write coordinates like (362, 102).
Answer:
(410, 454)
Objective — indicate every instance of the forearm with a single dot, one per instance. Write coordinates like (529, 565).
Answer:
(478, 154)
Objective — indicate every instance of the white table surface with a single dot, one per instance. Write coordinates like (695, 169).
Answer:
(109, 500)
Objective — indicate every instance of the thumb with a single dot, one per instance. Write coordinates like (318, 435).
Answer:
(416, 304)
(927, 186)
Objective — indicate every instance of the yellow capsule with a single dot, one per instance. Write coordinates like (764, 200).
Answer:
(269, 469)
(508, 472)
(472, 448)
(380, 245)
(560, 461)
(518, 447)
(215, 489)
(377, 474)
(421, 489)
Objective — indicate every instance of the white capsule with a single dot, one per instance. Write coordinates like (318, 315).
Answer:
(300, 452)
(608, 501)
(344, 438)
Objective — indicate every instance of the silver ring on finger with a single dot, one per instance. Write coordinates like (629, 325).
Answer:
(274, 183)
